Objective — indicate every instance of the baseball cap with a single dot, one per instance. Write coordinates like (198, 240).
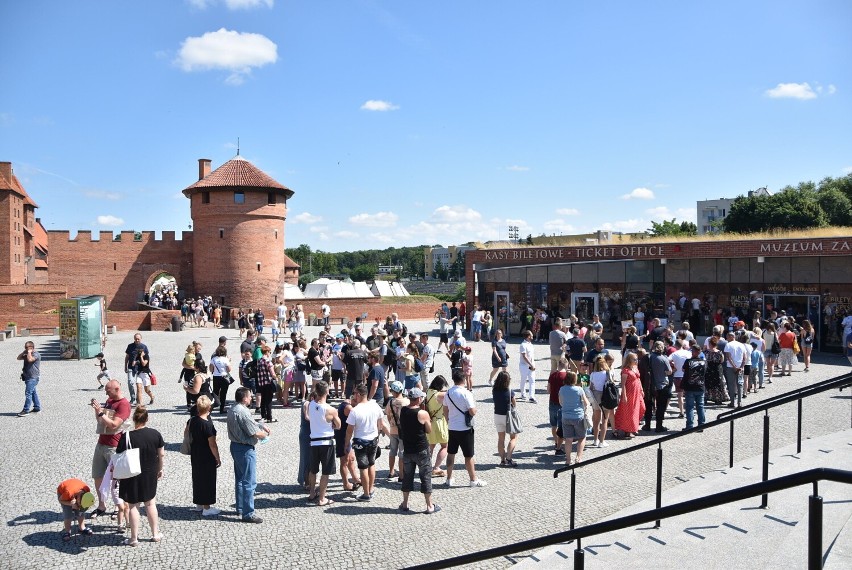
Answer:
(338, 336)
(223, 339)
(696, 348)
(457, 333)
(396, 386)
(457, 343)
(383, 332)
(416, 393)
(261, 338)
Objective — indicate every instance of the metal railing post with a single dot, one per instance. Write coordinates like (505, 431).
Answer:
(731, 446)
(799, 429)
(659, 481)
(764, 500)
(579, 556)
(814, 532)
(573, 495)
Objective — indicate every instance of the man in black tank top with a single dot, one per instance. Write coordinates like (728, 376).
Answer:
(414, 424)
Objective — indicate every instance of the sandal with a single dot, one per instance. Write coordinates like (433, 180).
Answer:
(66, 536)
(128, 542)
(157, 537)
(326, 503)
(439, 473)
(98, 513)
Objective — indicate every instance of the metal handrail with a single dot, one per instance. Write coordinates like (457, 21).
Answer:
(837, 382)
(806, 389)
(811, 476)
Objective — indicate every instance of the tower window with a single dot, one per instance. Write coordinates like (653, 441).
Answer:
(239, 198)
(205, 197)
(270, 198)
(115, 267)
(276, 234)
(221, 233)
(258, 266)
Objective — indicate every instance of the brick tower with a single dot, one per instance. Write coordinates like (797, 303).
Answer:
(238, 215)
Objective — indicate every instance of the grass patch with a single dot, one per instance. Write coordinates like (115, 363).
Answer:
(410, 300)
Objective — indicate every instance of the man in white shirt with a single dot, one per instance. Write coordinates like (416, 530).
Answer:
(459, 404)
(735, 353)
(326, 313)
(362, 435)
(678, 358)
(526, 367)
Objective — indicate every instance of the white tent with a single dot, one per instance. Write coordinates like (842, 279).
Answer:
(389, 289)
(332, 289)
(292, 292)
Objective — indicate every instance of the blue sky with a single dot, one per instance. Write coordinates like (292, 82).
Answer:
(407, 123)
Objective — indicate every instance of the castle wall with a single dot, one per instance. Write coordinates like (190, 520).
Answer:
(117, 269)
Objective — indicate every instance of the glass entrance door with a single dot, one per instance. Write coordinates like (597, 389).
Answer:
(799, 306)
(502, 312)
(584, 305)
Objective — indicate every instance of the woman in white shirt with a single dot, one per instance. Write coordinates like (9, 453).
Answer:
(220, 368)
(600, 416)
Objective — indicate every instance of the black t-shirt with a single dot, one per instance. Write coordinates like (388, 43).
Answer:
(631, 342)
(575, 346)
(377, 373)
(411, 431)
(312, 355)
(693, 376)
(355, 360)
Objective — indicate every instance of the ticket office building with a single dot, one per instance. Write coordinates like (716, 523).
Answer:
(807, 286)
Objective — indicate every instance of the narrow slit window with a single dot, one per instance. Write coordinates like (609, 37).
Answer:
(239, 198)
(205, 197)
(271, 199)
(221, 233)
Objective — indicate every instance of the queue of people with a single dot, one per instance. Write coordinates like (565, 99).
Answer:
(385, 386)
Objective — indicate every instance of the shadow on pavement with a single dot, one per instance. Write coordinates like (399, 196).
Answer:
(36, 517)
(77, 545)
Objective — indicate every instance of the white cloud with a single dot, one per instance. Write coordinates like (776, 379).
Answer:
(455, 214)
(558, 227)
(632, 225)
(345, 234)
(847, 169)
(376, 105)
(832, 89)
(318, 229)
(232, 51)
(248, 4)
(801, 91)
(568, 212)
(110, 221)
(687, 214)
(658, 212)
(516, 168)
(232, 4)
(639, 194)
(377, 220)
(101, 195)
(305, 218)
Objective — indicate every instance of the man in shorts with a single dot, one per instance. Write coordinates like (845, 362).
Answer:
(557, 340)
(458, 404)
(131, 354)
(362, 435)
(324, 420)
(109, 418)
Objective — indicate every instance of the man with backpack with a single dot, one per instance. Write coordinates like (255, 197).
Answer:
(693, 385)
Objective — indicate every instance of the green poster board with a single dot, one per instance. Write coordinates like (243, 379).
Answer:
(81, 327)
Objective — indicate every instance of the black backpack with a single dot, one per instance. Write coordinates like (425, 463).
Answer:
(609, 397)
(250, 370)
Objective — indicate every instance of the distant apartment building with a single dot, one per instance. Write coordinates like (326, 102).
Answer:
(445, 255)
(712, 212)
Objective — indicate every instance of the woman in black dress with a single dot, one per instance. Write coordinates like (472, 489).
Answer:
(204, 455)
(143, 487)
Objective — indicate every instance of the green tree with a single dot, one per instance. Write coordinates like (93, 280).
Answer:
(836, 206)
(672, 228)
(791, 208)
(441, 272)
(457, 267)
(363, 272)
(529, 239)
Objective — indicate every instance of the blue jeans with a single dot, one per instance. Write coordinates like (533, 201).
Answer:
(131, 386)
(694, 400)
(30, 395)
(245, 475)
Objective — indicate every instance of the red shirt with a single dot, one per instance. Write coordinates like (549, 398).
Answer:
(786, 339)
(554, 383)
(122, 410)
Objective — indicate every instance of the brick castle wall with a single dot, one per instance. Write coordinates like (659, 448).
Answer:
(121, 270)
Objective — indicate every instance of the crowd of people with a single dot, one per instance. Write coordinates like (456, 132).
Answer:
(377, 379)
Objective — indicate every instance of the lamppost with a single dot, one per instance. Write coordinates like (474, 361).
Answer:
(513, 233)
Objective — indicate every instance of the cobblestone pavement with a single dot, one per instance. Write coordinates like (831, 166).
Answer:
(42, 449)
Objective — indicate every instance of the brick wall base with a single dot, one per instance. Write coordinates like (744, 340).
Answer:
(122, 320)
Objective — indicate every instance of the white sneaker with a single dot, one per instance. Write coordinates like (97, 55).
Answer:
(603, 444)
(211, 512)
(196, 509)
(478, 483)
(593, 444)
(449, 481)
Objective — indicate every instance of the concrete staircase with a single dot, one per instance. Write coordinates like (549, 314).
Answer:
(738, 535)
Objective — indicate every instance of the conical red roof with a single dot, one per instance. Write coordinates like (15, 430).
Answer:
(238, 173)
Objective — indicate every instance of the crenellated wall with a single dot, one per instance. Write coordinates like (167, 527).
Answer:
(121, 269)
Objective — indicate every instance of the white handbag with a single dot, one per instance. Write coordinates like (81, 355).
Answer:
(126, 464)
